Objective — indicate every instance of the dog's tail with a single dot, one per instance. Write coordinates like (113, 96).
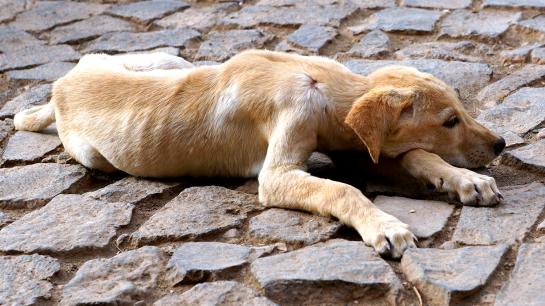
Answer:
(35, 118)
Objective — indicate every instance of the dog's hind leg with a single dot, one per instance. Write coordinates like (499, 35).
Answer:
(86, 154)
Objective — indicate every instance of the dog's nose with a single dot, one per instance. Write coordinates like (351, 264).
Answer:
(499, 146)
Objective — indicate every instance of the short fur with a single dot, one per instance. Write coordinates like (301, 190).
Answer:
(262, 114)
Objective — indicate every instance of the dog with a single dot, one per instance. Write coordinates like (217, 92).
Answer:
(263, 113)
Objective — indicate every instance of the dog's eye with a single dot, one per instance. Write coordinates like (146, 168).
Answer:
(451, 122)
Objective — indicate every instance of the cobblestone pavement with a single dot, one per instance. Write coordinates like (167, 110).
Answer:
(70, 236)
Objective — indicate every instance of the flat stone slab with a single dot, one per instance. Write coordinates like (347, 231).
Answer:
(303, 12)
(131, 190)
(69, 222)
(445, 275)
(6, 127)
(89, 28)
(9, 8)
(47, 72)
(400, 19)
(515, 3)
(439, 50)
(469, 78)
(341, 271)
(24, 278)
(47, 14)
(197, 211)
(193, 261)
(525, 286)
(486, 24)
(31, 97)
(127, 41)
(425, 218)
(200, 18)
(121, 280)
(438, 4)
(538, 56)
(13, 39)
(146, 11)
(223, 45)
(532, 155)
(519, 113)
(535, 24)
(291, 226)
(492, 94)
(226, 293)
(34, 185)
(28, 146)
(312, 37)
(37, 55)
(518, 55)
(506, 223)
(372, 44)
(5, 219)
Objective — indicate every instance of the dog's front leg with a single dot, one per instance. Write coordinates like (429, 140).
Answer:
(283, 183)
(471, 188)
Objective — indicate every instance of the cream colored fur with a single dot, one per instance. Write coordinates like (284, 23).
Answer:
(262, 114)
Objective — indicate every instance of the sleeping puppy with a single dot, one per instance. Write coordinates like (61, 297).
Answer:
(262, 114)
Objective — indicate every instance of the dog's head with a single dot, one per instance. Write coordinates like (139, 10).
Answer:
(407, 109)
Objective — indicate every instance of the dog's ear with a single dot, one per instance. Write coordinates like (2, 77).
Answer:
(373, 115)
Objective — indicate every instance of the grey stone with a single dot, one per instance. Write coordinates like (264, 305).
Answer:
(89, 28)
(13, 39)
(531, 156)
(487, 25)
(505, 223)
(36, 55)
(28, 146)
(292, 226)
(469, 78)
(24, 278)
(199, 18)
(124, 279)
(222, 45)
(47, 72)
(318, 162)
(5, 219)
(400, 19)
(145, 11)
(439, 50)
(226, 293)
(197, 211)
(192, 261)
(495, 92)
(34, 96)
(69, 222)
(440, 4)
(6, 127)
(541, 134)
(341, 271)
(425, 218)
(304, 13)
(34, 185)
(538, 56)
(126, 41)
(536, 24)
(520, 112)
(525, 286)
(312, 37)
(131, 190)
(518, 55)
(10, 8)
(442, 276)
(373, 4)
(47, 14)
(515, 3)
(373, 44)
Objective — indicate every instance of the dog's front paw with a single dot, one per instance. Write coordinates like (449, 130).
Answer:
(387, 235)
(471, 188)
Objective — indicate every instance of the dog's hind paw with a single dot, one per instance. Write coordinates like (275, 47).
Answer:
(387, 235)
(472, 188)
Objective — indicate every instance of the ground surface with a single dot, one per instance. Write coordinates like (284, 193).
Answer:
(73, 236)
